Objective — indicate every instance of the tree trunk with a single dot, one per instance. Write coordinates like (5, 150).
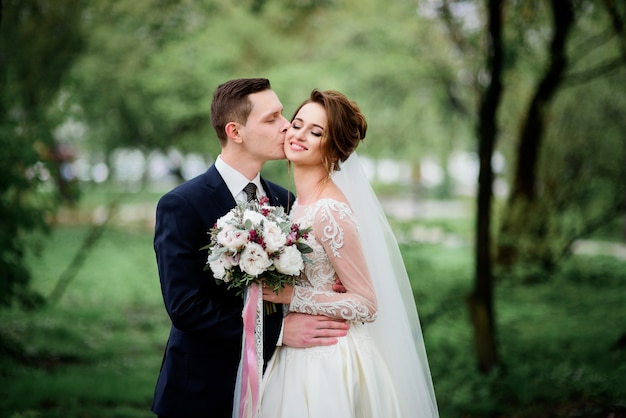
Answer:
(533, 127)
(480, 301)
(620, 30)
(524, 190)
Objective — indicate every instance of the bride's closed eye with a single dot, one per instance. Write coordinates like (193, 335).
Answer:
(298, 125)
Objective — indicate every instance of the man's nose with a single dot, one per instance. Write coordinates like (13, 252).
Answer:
(286, 125)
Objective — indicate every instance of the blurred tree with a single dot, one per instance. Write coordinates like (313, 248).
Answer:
(533, 127)
(553, 202)
(125, 100)
(487, 78)
(480, 301)
(561, 191)
(39, 40)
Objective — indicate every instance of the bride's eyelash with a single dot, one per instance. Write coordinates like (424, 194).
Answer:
(296, 126)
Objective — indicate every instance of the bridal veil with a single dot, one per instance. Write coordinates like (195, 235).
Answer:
(397, 331)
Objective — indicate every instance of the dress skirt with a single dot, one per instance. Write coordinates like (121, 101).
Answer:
(346, 380)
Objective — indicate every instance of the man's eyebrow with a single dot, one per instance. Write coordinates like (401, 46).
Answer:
(271, 113)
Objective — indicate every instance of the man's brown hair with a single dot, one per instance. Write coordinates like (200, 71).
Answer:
(231, 102)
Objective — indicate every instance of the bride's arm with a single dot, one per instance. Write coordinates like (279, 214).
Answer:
(338, 234)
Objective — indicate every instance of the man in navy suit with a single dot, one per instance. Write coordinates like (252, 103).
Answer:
(200, 363)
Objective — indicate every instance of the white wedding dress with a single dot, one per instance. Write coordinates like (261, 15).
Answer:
(380, 369)
(349, 379)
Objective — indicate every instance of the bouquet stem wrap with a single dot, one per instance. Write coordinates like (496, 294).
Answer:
(252, 352)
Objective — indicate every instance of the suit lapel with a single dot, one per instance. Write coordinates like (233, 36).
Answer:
(218, 192)
(222, 200)
(274, 198)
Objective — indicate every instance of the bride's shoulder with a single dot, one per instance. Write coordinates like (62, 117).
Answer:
(331, 203)
(332, 207)
(332, 195)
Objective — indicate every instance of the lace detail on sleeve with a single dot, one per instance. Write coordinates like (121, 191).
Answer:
(337, 252)
(332, 231)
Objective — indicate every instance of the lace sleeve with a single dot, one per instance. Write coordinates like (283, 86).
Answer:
(336, 230)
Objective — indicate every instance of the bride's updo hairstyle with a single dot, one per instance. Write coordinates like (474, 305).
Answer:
(346, 126)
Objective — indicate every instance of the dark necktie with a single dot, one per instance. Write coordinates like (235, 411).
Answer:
(250, 190)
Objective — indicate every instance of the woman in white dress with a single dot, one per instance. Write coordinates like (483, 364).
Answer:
(379, 369)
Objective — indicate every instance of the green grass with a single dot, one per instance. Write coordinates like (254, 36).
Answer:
(97, 351)
(558, 341)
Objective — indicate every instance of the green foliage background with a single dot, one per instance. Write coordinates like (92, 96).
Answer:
(140, 74)
(149, 73)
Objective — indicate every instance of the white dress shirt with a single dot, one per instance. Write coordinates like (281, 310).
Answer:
(235, 181)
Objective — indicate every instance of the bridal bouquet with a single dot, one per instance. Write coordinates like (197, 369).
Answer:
(254, 242)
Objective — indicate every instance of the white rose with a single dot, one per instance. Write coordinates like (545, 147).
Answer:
(254, 259)
(289, 262)
(273, 237)
(255, 217)
(232, 238)
(226, 220)
(220, 265)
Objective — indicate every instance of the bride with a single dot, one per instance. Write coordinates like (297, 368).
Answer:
(380, 368)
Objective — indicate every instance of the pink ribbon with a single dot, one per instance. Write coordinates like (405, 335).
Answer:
(250, 376)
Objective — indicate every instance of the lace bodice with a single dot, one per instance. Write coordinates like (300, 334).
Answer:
(337, 252)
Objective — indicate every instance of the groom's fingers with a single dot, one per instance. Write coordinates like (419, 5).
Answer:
(339, 287)
(329, 330)
(333, 324)
(301, 330)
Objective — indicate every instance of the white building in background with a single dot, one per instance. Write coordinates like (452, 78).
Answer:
(163, 170)
(463, 169)
(128, 165)
(431, 173)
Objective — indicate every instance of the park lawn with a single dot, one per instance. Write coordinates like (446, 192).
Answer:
(97, 351)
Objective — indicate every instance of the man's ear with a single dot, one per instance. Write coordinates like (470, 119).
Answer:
(232, 132)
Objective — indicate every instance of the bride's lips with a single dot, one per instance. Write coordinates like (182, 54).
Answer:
(297, 147)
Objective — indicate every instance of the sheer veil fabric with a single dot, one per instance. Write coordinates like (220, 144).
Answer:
(397, 331)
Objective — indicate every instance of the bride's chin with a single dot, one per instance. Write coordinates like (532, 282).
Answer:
(290, 155)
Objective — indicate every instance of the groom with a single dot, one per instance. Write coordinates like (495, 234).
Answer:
(200, 363)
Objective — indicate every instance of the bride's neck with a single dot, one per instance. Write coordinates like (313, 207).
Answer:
(310, 183)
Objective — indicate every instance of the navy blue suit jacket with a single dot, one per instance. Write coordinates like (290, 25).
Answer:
(200, 363)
